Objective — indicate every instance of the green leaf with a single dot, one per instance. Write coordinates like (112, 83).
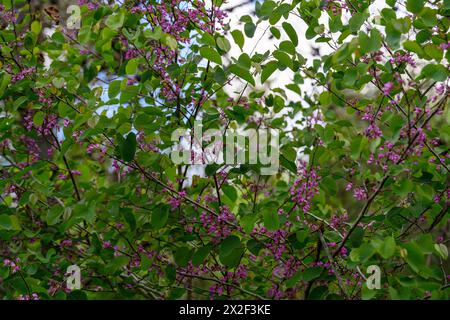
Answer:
(171, 42)
(350, 77)
(116, 21)
(357, 145)
(128, 93)
(415, 6)
(5, 80)
(132, 66)
(54, 214)
(294, 279)
(128, 147)
(311, 273)
(434, 52)
(288, 164)
(268, 70)
(387, 248)
(9, 222)
(394, 216)
(415, 258)
(77, 295)
(230, 192)
(363, 253)
(254, 246)
(114, 88)
(248, 222)
(442, 250)
(357, 20)
(393, 36)
(249, 29)
(436, 72)
(271, 220)
(283, 58)
(5, 222)
(292, 34)
(36, 27)
(211, 55)
(58, 82)
(200, 255)
(266, 9)
(238, 38)
(219, 75)
(155, 34)
(446, 4)
(357, 237)
(275, 32)
(182, 256)
(413, 46)
(223, 44)
(38, 118)
(370, 44)
(242, 73)
(129, 218)
(391, 2)
(335, 23)
(160, 217)
(245, 61)
(230, 251)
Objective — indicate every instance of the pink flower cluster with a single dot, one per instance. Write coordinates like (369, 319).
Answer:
(305, 187)
(388, 153)
(339, 221)
(32, 148)
(9, 16)
(175, 202)
(277, 243)
(22, 74)
(14, 264)
(336, 6)
(175, 18)
(387, 88)
(229, 277)
(445, 46)
(132, 53)
(50, 123)
(92, 5)
(152, 146)
(218, 226)
(373, 131)
(63, 176)
(34, 296)
(360, 193)
(403, 57)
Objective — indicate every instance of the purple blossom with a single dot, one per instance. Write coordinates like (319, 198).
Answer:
(360, 194)
(305, 188)
(22, 74)
(387, 88)
(373, 131)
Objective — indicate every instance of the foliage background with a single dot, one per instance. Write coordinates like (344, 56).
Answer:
(85, 125)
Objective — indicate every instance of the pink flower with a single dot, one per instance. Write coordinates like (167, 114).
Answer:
(360, 194)
(22, 74)
(445, 46)
(107, 244)
(387, 88)
(175, 202)
(373, 131)
(305, 188)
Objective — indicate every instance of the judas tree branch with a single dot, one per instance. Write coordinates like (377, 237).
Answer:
(377, 191)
